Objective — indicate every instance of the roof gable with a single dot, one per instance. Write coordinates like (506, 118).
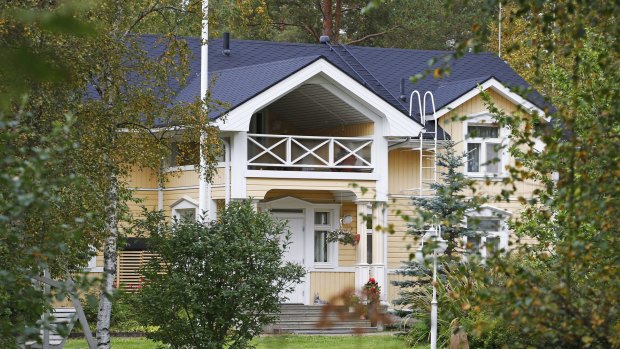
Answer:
(253, 66)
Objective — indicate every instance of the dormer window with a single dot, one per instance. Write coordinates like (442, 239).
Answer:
(184, 209)
(485, 156)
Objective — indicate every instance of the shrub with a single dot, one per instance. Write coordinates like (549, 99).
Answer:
(215, 285)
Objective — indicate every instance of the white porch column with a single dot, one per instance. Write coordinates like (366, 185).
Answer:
(362, 269)
(378, 268)
(239, 159)
(380, 163)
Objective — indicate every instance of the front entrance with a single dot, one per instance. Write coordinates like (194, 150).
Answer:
(296, 250)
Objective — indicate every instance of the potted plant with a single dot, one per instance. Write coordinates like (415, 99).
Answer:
(372, 291)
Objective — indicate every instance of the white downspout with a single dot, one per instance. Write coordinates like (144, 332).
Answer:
(204, 191)
(226, 171)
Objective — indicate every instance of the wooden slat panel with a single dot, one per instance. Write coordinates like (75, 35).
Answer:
(329, 285)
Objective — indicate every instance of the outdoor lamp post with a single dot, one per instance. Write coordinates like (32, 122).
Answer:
(437, 232)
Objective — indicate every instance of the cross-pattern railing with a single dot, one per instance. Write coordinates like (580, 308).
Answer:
(309, 153)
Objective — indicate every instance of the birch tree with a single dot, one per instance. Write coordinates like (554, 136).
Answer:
(122, 97)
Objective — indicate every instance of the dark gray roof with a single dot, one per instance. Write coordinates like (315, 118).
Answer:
(254, 66)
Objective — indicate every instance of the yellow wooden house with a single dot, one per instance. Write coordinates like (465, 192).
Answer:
(323, 135)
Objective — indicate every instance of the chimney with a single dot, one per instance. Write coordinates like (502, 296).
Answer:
(402, 90)
(226, 44)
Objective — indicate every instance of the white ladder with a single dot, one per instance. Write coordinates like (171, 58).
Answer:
(427, 149)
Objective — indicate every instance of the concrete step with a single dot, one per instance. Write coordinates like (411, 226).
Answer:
(343, 330)
(305, 319)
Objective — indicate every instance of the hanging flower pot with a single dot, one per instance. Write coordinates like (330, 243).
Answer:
(343, 237)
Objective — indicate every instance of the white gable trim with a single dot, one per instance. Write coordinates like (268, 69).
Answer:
(397, 124)
(497, 87)
(184, 202)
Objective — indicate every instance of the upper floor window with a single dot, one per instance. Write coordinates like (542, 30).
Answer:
(187, 154)
(484, 153)
(183, 154)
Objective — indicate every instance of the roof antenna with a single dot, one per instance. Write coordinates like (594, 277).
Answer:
(226, 43)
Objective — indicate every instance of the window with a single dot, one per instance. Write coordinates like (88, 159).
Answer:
(320, 246)
(368, 234)
(183, 154)
(184, 209)
(493, 235)
(186, 214)
(323, 250)
(484, 155)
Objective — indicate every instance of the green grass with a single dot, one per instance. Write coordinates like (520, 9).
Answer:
(278, 342)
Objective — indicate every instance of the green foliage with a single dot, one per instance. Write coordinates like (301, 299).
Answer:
(215, 285)
(426, 24)
(124, 316)
(31, 238)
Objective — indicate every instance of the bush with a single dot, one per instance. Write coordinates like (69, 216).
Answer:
(124, 313)
(215, 285)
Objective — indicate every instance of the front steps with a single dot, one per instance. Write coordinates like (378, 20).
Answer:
(318, 319)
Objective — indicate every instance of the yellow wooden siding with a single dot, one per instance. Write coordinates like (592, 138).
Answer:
(315, 196)
(186, 178)
(147, 198)
(346, 253)
(393, 291)
(399, 244)
(330, 286)
(141, 178)
(403, 170)
(171, 196)
(257, 188)
(354, 130)
(99, 259)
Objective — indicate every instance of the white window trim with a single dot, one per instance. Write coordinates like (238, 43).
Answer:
(92, 267)
(490, 212)
(332, 247)
(309, 209)
(504, 159)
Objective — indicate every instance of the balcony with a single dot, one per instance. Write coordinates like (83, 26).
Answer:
(270, 152)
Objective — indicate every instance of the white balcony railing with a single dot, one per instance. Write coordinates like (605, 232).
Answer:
(309, 153)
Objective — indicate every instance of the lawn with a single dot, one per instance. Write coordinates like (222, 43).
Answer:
(278, 342)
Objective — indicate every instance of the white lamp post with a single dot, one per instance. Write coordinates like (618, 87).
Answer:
(434, 301)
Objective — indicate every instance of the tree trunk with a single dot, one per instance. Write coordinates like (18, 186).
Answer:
(328, 23)
(337, 18)
(109, 263)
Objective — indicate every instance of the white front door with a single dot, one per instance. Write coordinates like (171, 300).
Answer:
(295, 251)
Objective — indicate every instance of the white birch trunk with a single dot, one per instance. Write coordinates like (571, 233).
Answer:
(109, 264)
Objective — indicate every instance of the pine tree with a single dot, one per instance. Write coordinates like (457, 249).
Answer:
(447, 207)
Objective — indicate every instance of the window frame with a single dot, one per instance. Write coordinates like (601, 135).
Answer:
(485, 119)
(332, 247)
(184, 203)
(503, 234)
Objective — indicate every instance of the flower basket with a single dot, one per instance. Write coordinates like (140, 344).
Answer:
(343, 237)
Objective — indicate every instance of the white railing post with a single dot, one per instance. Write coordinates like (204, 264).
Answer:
(330, 158)
(288, 151)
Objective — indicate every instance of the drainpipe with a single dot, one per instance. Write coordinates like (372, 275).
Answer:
(408, 139)
(204, 191)
(226, 171)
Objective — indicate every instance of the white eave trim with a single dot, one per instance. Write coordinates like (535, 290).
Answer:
(397, 124)
(497, 87)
